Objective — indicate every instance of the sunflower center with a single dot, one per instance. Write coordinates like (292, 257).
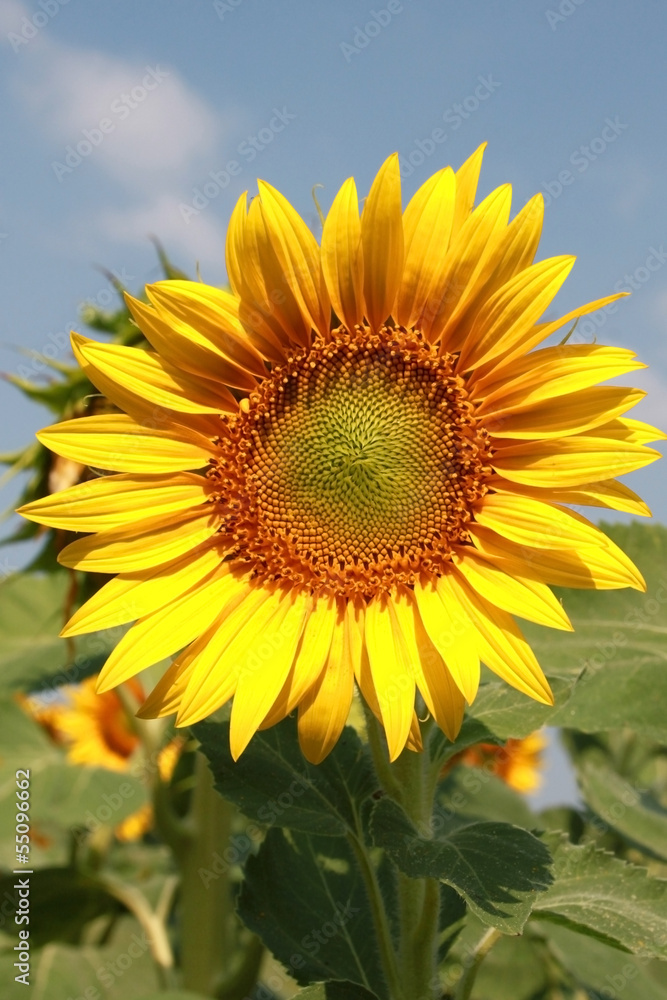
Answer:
(356, 464)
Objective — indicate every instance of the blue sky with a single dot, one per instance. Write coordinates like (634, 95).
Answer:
(159, 97)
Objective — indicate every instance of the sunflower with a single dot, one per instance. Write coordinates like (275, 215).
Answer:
(96, 731)
(518, 763)
(351, 468)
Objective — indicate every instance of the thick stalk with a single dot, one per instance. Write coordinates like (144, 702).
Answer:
(410, 780)
(206, 912)
(382, 929)
(419, 898)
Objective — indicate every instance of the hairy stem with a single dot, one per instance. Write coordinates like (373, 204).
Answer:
(482, 949)
(382, 929)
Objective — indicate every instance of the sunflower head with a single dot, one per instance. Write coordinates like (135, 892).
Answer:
(353, 468)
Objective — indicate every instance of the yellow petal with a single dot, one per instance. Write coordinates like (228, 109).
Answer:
(513, 251)
(607, 493)
(213, 313)
(427, 225)
(167, 630)
(501, 362)
(114, 500)
(278, 297)
(143, 544)
(393, 678)
(135, 595)
(167, 695)
(552, 371)
(573, 413)
(467, 178)
(526, 598)
(326, 706)
(443, 698)
(342, 256)
(220, 653)
(469, 256)
(362, 667)
(536, 523)
(182, 347)
(509, 316)
(128, 374)
(501, 644)
(451, 631)
(637, 432)
(309, 659)
(572, 461)
(246, 280)
(298, 255)
(165, 698)
(114, 441)
(263, 667)
(382, 240)
(600, 568)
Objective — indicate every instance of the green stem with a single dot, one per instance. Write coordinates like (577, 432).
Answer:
(382, 929)
(411, 781)
(151, 921)
(482, 949)
(419, 898)
(207, 919)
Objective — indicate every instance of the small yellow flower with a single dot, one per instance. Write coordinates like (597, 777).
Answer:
(518, 763)
(352, 468)
(96, 731)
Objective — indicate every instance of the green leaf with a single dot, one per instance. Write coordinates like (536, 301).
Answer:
(304, 897)
(62, 902)
(499, 869)
(606, 972)
(32, 612)
(618, 643)
(333, 991)
(275, 785)
(23, 744)
(120, 970)
(506, 713)
(635, 814)
(65, 795)
(597, 894)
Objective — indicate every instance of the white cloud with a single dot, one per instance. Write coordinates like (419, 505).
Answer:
(157, 127)
(142, 127)
(202, 240)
